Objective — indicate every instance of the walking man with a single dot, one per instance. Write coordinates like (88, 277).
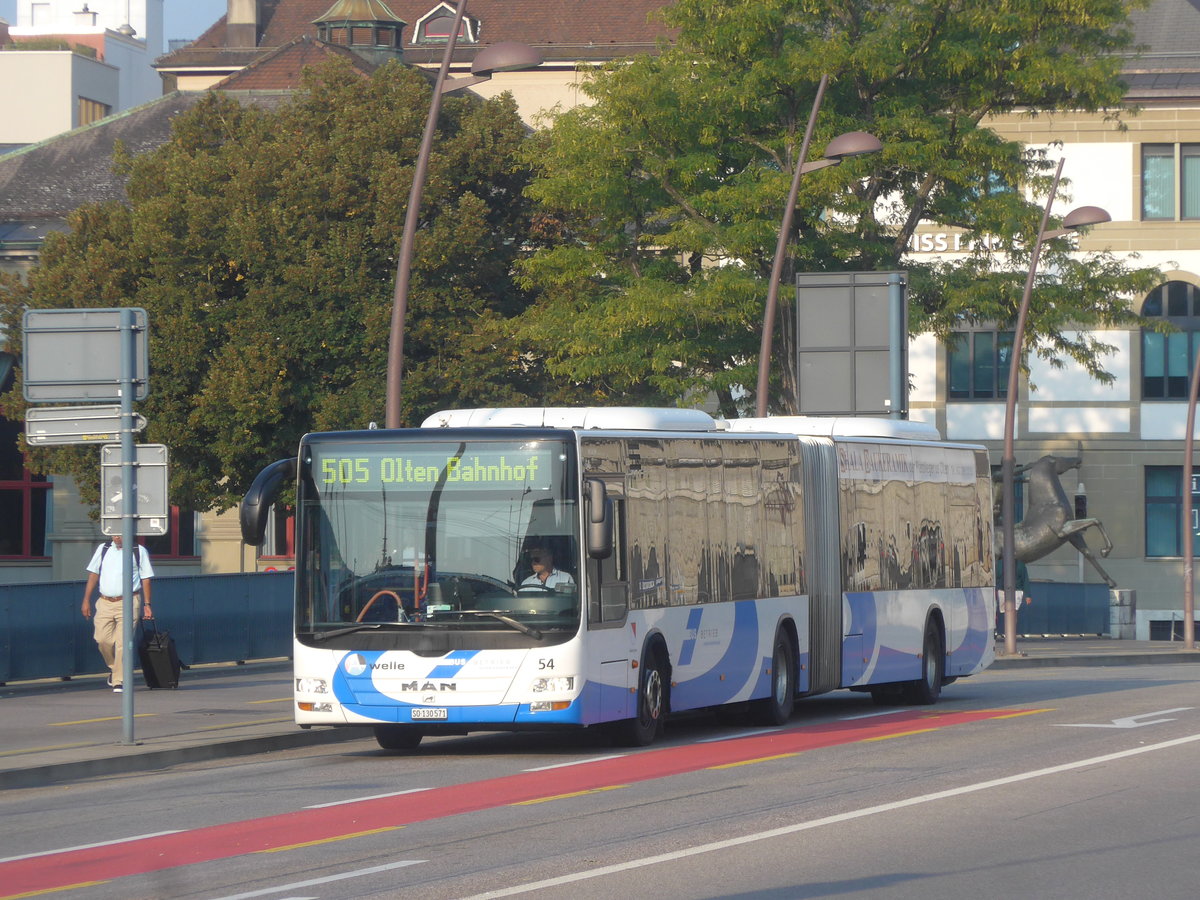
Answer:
(106, 570)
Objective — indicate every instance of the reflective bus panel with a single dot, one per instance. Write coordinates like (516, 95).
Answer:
(486, 577)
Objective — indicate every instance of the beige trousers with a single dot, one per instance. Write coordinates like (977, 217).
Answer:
(107, 623)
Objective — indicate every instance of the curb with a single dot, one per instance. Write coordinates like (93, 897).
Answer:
(1108, 659)
(39, 776)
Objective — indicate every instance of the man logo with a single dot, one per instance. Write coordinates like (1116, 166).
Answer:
(355, 664)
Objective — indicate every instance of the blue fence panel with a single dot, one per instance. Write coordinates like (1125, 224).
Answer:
(44, 632)
(1064, 608)
(213, 618)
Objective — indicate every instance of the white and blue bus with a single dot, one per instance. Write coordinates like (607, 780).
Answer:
(696, 564)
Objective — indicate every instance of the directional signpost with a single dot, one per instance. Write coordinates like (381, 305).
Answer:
(99, 356)
(149, 484)
(75, 355)
(50, 425)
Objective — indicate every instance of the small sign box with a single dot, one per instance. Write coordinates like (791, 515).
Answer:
(50, 425)
(74, 355)
(150, 480)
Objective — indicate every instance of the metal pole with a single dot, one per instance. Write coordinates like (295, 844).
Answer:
(128, 517)
(395, 366)
(897, 339)
(768, 332)
(1008, 500)
(1189, 588)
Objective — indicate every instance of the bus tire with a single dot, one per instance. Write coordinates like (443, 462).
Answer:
(778, 707)
(653, 684)
(398, 737)
(926, 689)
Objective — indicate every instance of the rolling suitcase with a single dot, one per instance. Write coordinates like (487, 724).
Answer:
(160, 661)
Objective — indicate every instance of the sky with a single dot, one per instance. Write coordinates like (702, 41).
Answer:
(185, 19)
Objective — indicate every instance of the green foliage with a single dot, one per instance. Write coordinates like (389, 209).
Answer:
(662, 198)
(263, 247)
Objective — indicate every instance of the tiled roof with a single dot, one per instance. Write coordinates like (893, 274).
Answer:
(1165, 29)
(49, 179)
(1166, 66)
(563, 30)
(280, 69)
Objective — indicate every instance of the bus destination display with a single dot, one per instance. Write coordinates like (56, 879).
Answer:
(418, 468)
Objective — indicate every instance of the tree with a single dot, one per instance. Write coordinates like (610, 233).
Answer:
(664, 195)
(262, 245)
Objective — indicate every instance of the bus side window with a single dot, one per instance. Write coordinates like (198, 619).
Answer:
(608, 582)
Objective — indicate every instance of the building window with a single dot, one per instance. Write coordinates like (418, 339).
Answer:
(978, 365)
(180, 540)
(280, 542)
(434, 27)
(24, 501)
(1168, 359)
(1170, 181)
(92, 111)
(1164, 511)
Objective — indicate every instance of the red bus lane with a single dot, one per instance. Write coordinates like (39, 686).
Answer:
(93, 865)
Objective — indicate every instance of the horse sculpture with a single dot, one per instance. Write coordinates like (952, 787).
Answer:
(1049, 516)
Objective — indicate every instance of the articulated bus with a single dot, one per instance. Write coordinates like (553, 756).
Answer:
(506, 569)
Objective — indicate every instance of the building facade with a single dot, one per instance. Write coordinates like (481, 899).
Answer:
(1130, 433)
(76, 63)
(1146, 174)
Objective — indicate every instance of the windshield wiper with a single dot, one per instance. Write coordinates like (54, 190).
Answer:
(507, 620)
(350, 629)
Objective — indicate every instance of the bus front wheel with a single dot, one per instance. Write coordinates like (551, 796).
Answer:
(647, 724)
(398, 737)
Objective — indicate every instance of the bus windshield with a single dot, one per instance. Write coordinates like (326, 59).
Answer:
(419, 536)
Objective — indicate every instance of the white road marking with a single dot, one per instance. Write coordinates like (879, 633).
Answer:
(829, 820)
(136, 837)
(739, 735)
(576, 762)
(1129, 721)
(357, 873)
(873, 715)
(361, 799)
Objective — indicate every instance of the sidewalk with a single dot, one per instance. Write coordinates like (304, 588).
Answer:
(1036, 652)
(53, 731)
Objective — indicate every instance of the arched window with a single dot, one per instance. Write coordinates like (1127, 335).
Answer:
(434, 27)
(1167, 359)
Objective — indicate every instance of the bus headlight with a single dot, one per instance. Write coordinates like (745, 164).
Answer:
(557, 684)
(312, 686)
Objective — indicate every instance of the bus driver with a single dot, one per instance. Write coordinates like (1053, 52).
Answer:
(544, 574)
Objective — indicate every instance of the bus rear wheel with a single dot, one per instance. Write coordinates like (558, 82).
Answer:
(926, 689)
(398, 737)
(777, 708)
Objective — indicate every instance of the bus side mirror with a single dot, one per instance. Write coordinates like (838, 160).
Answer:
(261, 497)
(599, 520)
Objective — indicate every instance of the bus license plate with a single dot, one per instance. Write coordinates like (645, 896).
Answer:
(430, 713)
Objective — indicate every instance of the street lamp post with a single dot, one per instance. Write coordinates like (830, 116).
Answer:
(1189, 587)
(503, 57)
(852, 143)
(1077, 218)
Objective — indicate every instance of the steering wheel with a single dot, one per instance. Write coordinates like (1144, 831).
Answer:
(386, 592)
